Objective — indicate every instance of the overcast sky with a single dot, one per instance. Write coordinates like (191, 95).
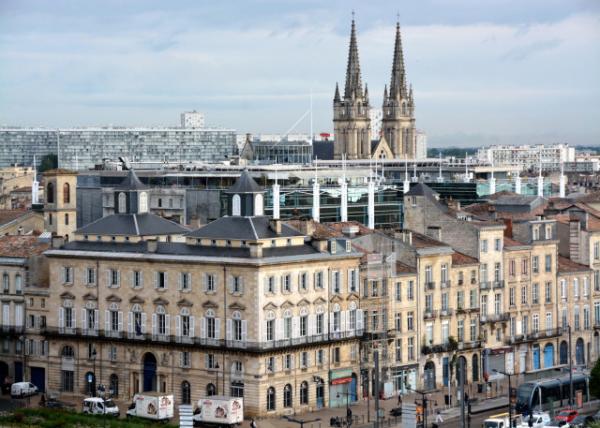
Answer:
(488, 71)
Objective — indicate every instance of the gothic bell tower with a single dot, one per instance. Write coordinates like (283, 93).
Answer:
(398, 122)
(351, 118)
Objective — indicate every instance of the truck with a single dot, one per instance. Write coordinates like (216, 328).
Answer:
(100, 406)
(152, 405)
(219, 411)
(501, 421)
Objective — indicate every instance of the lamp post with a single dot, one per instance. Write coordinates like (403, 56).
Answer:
(93, 387)
(509, 394)
(216, 377)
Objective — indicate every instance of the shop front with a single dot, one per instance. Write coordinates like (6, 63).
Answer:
(342, 387)
(404, 378)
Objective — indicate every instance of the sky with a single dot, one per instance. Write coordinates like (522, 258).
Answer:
(483, 72)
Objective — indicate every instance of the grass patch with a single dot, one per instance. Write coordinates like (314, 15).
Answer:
(53, 418)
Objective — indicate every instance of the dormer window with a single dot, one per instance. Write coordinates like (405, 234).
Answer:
(122, 203)
(348, 246)
(214, 242)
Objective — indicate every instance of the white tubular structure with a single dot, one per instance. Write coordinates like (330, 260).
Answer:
(371, 203)
(518, 185)
(344, 199)
(440, 178)
(35, 186)
(276, 201)
(540, 186)
(316, 207)
(414, 177)
(562, 184)
(406, 183)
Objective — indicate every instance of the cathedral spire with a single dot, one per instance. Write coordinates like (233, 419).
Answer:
(353, 79)
(398, 82)
(336, 97)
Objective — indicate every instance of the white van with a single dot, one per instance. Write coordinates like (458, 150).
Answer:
(98, 406)
(23, 389)
(152, 405)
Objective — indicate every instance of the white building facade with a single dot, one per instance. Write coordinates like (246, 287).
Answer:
(528, 156)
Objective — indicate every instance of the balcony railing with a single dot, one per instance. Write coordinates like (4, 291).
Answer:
(202, 342)
(12, 329)
(429, 314)
(531, 337)
(448, 312)
(433, 349)
(445, 284)
(430, 285)
(460, 282)
(498, 284)
(495, 317)
(464, 346)
(485, 285)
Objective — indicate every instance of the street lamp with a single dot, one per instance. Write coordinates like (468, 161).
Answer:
(92, 387)
(510, 375)
(216, 377)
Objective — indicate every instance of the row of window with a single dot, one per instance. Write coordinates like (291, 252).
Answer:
(286, 283)
(460, 300)
(460, 331)
(18, 282)
(484, 245)
(445, 275)
(535, 265)
(290, 327)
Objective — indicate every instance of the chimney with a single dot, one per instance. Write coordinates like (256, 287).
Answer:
(256, 250)
(275, 225)
(306, 227)
(57, 241)
(508, 230)
(574, 233)
(319, 244)
(581, 216)
(435, 232)
(152, 245)
(350, 230)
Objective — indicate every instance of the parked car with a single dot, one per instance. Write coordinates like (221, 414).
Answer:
(98, 406)
(582, 421)
(555, 423)
(23, 389)
(538, 419)
(567, 415)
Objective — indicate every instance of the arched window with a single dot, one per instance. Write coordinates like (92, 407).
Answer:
(237, 389)
(50, 193)
(258, 204)
(304, 393)
(114, 385)
(66, 193)
(66, 219)
(287, 395)
(271, 398)
(211, 390)
(122, 203)
(186, 397)
(67, 352)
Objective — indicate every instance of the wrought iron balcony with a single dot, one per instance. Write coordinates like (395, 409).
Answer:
(9, 330)
(430, 285)
(485, 285)
(532, 337)
(464, 346)
(498, 284)
(495, 317)
(429, 314)
(445, 284)
(448, 312)
(257, 347)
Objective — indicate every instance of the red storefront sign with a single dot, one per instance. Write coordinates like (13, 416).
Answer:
(341, 380)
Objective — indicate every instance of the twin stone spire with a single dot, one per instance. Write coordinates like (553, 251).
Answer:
(352, 121)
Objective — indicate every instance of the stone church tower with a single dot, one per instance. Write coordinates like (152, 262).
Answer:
(351, 119)
(398, 122)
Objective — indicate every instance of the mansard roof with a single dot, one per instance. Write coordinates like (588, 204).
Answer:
(146, 224)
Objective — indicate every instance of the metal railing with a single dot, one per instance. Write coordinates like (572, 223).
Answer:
(498, 284)
(495, 317)
(200, 341)
(430, 285)
(445, 284)
(429, 314)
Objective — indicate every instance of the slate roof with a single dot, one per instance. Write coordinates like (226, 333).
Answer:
(21, 246)
(183, 249)
(133, 224)
(131, 182)
(245, 184)
(242, 228)
(421, 189)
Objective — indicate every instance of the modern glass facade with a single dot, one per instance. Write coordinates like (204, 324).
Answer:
(269, 152)
(85, 147)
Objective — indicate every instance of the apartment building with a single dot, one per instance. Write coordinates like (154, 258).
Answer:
(21, 266)
(243, 306)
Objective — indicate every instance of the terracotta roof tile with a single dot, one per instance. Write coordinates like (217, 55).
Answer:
(21, 246)
(567, 265)
(462, 259)
(6, 216)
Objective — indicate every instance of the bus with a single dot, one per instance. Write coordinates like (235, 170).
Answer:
(550, 393)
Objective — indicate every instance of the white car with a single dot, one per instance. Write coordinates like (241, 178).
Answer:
(98, 406)
(23, 389)
(540, 420)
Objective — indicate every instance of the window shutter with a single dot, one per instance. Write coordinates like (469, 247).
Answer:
(120, 320)
(143, 323)
(331, 319)
(244, 330)
(155, 279)
(292, 361)
(154, 326)
(228, 332)
(96, 319)
(205, 282)
(315, 276)
(311, 324)
(192, 322)
(206, 365)
(180, 284)
(167, 325)
(295, 327)
(130, 322)
(359, 319)
(266, 284)
(118, 278)
(203, 328)
(279, 329)
(241, 283)
(61, 317)
(275, 284)
(166, 280)
(178, 326)
(230, 284)
(217, 328)
(265, 337)
(106, 321)
(84, 319)
(181, 359)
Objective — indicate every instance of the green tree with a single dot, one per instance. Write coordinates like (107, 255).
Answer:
(595, 380)
(48, 162)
